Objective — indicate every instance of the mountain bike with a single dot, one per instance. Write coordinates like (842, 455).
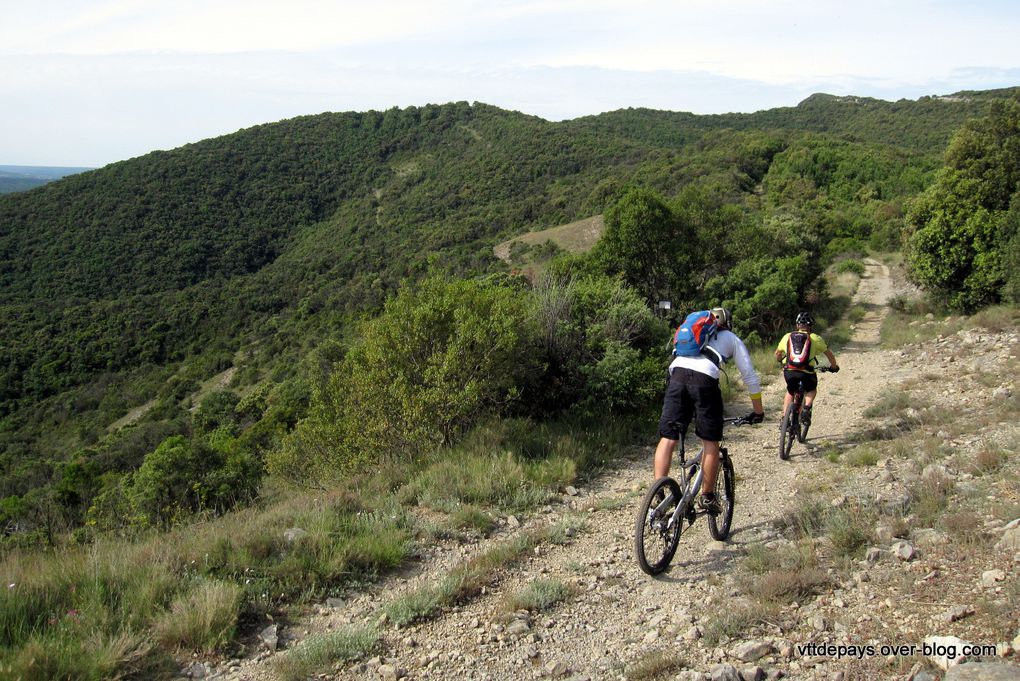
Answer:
(791, 427)
(668, 510)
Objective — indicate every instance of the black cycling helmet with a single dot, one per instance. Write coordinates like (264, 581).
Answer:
(805, 319)
(724, 317)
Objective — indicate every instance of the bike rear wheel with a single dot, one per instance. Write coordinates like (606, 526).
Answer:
(802, 431)
(655, 541)
(787, 431)
(725, 490)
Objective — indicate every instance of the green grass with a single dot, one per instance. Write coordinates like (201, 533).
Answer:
(203, 618)
(929, 498)
(850, 528)
(126, 606)
(851, 265)
(781, 575)
(467, 580)
(539, 595)
(734, 620)
(663, 663)
(184, 590)
(471, 518)
(893, 403)
(318, 654)
(989, 458)
(862, 455)
(908, 322)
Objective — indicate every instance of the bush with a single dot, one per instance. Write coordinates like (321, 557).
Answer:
(850, 265)
(182, 477)
(601, 344)
(441, 356)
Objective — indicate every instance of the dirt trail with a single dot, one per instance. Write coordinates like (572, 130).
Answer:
(618, 614)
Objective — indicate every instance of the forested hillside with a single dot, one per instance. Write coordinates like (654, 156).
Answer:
(264, 251)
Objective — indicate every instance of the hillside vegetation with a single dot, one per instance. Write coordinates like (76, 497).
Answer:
(341, 267)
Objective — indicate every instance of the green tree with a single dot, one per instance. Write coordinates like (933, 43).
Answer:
(646, 243)
(959, 225)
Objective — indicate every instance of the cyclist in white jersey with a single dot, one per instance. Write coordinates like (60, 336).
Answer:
(693, 392)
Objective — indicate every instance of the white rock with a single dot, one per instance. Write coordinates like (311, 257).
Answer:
(1010, 541)
(292, 534)
(989, 578)
(904, 551)
(725, 672)
(751, 651)
(944, 651)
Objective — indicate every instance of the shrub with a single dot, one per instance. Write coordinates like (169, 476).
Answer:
(182, 477)
(963, 226)
(441, 356)
(539, 595)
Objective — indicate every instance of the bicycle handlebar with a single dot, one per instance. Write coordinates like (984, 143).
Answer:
(824, 369)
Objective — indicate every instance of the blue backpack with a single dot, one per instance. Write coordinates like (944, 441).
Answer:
(695, 332)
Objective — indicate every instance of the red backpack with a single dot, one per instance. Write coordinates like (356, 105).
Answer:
(798, 351)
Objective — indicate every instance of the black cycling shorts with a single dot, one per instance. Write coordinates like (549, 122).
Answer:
(692, 394)
(793, 378)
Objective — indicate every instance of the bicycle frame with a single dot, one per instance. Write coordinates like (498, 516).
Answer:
(690, 479)
(690, 485)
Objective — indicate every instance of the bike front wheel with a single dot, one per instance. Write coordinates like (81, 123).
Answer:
(655, 540)
(725, 490)
(787, 431)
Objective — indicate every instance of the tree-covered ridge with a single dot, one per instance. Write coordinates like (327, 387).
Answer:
(922, 125)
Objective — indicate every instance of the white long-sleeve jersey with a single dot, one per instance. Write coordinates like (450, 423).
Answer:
(729, 347)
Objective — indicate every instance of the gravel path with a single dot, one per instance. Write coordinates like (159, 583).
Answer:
(619, 615)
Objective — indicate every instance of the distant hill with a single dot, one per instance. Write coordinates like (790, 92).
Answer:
(20, 178)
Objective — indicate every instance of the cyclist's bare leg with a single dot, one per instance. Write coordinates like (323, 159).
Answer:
(663, 456)
(809, 398)
(710, 465)
(786, 401)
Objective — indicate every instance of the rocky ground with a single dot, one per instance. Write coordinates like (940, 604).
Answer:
(911, 582)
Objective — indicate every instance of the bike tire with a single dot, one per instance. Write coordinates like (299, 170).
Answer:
(786, 432)
(802, 432)
(655, 543)
(725, 489)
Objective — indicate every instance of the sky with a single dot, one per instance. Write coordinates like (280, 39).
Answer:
(91, 82)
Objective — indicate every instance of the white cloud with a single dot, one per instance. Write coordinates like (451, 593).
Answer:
(128, 76)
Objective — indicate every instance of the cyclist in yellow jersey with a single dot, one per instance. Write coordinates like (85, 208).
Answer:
(801, 349)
